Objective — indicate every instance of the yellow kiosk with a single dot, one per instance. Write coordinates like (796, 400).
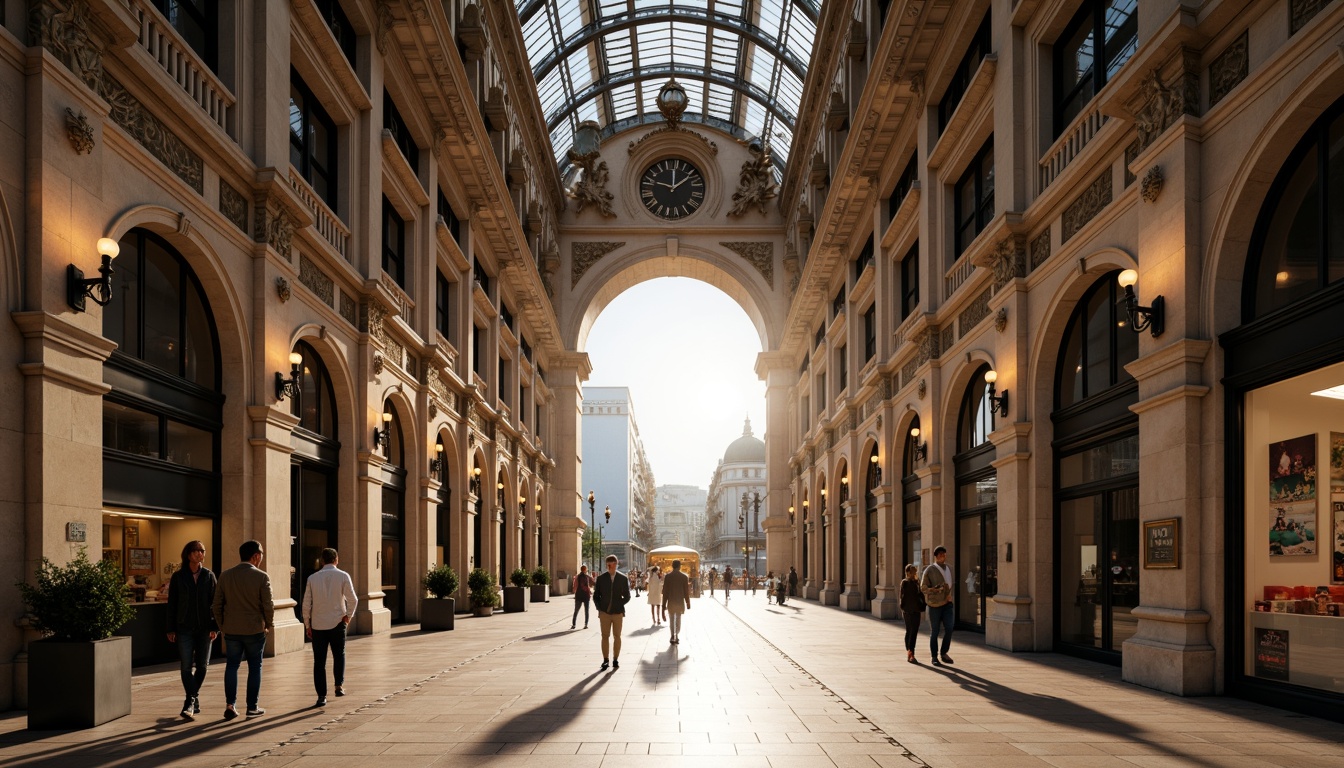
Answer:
(690, 563)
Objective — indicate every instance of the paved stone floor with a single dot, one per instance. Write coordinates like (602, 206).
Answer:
(750, 685)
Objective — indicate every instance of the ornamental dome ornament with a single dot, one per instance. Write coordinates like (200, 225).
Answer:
(672, 102)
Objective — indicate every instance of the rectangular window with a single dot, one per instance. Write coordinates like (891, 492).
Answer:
(505, 316)
(819, 336)
(1097, 42)
(394, 244)
(842, 363)
(838, 303)
(904, 184)
(477, 339)
(450, 219)
(197, 21)
(479, 274)
(910, 281)
(401, 134)
(805, 411)
(821, 392)
(312, 140)
(974, 197)
(961, 79)
(340, 27)
(865, 258)
(870, 333)
(443, 308)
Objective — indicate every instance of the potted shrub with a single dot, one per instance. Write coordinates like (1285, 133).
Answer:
(515, 597)
(484, 591)
(541, 585)
(79, 675)
(436, 612)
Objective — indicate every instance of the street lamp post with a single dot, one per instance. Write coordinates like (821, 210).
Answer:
(592, 525)
(754, 501)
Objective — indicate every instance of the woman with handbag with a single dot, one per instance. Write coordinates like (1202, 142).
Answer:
(912, 605)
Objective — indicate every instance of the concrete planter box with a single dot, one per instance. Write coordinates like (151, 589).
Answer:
(541, 593)
(515, 599)
(437, 614)
(78, 684)
(482, 610)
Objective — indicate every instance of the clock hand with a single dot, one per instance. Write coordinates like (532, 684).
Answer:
(679, 183)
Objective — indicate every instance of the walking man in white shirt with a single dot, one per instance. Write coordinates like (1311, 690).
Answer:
(937, 587)
(328, 603)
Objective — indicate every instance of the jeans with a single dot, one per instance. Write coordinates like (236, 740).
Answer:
(322, 639)
(610, 623)
(912, 619)
(193, 649)
(943, 617)
(674, 623)
(235, 648)
(584, 601)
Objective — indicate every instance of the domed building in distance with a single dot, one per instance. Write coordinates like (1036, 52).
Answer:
(728, 530)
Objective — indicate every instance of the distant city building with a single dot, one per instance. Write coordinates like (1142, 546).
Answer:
(741, 471)
(681, 515)
(616, 470)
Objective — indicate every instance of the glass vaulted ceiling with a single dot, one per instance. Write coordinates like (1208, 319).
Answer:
(742, 63)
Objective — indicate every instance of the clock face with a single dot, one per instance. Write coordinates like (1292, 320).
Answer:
(672, 189)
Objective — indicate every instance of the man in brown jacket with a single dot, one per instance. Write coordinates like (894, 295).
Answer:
(245, 613)
(676, 599)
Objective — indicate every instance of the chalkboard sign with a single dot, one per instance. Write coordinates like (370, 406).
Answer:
(1162, 543)
(1271, 654)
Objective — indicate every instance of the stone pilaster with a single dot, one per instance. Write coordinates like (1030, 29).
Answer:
(268, 520)
(887, 604)
(1009, 624)
(566, 520)
(851, 593)
(371, 616)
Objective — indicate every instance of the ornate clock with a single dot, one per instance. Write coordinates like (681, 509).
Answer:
(672, 189)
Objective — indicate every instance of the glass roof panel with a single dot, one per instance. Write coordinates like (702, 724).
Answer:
(607, 59)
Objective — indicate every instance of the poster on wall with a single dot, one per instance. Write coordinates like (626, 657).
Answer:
(1292, 529)
(1271, 653)
(1292, 470)
(1337, 572)
(1337, 462)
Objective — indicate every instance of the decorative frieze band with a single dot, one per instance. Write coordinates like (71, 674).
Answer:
(759, 255)
(233, 205)
(316, 280)
(1040, 249)
(1082, 210)
(349, 309)
(1229, 68)
(972, 315)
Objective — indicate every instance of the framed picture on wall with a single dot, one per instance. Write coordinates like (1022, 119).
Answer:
(1337, 462)
(1292, 529)
(132, 534)
(1337, 561)
(1292, 470)
(139, 560)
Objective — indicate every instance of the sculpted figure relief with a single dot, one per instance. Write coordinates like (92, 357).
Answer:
(756, 183)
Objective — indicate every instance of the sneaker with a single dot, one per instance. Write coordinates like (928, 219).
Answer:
(936, 662)
(604, 666)
(187, 713)
(321, 702)
(255, 711)
(195, 705)
(947, 659)
(571, 626)
(340, 690)
(616, 664)
(230, 713)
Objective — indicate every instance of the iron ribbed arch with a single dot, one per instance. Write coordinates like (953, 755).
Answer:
(742, 62)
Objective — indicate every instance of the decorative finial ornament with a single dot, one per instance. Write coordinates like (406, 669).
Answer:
(672, 102)
(746, 427)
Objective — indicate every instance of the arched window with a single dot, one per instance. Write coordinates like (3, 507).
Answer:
(977, 482)
(1097, 345)
(316, 405)
(1297, 247)
(394, 518)
(910, 525)
(160, 315)
(977, 417)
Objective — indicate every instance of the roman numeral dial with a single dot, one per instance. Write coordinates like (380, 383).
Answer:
(672, 189)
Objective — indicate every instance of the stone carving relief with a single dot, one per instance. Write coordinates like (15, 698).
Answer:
(1008, 260)
(922, 389)
(1229, 68)
(349, 309)
(233, 205)
(713, 147)
(1302, 11)
(926, 345)
(377, 364)
(1088, 204)
(79, 131)
(791, 266)
(396, 354)
(385, 22)
(374, 315)
(1001, 319)
(974, 312)
(756, 181)
(586, 254)
(317, 281)
(550, 264)
(276, 229)
(1151, 186)
(1164, 104)
(1040, 249)
(591, 185)
(433, 410)
(759, 255)
(282, 289)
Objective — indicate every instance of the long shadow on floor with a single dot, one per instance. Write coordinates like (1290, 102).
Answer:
(532, 725)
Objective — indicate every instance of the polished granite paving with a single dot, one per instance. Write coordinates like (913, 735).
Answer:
(750, 684)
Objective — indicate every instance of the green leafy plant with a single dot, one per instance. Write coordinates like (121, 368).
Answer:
(81, 600)
(440, 581)
(541, 577)
(520, 578)
(484, 588)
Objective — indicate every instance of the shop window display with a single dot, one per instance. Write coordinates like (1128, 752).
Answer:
(1294, 529)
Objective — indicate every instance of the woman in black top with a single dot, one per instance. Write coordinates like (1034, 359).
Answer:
(912, 605)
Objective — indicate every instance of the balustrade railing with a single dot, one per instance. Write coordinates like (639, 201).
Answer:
(331, 228)
(183, 65)
(1068, 146)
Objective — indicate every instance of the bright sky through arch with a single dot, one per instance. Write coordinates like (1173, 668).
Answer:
(688, 353)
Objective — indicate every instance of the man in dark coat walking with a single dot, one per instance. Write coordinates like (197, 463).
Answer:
(610, 594)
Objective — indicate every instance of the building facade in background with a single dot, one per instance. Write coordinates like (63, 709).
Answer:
(734, 533)
(680, 516)
(616, 470)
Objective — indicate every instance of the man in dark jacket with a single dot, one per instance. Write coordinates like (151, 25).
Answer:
(191, 624)
(610, 594)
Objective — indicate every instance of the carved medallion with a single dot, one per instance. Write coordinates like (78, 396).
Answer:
(1151, 186)
(760, 255)
(282, 289)
(79, 131)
